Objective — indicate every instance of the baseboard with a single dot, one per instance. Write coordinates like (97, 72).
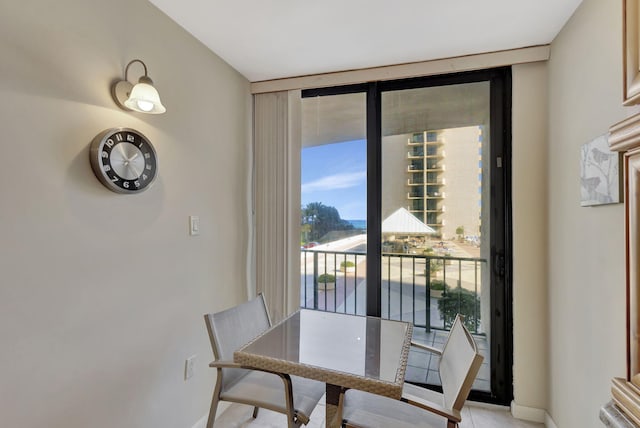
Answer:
(531, 414)
(490, 406)
(548, 422)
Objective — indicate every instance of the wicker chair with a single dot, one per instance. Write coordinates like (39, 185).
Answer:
(231, 329)
(420, 407)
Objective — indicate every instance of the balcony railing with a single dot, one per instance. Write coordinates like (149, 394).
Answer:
(426, 290)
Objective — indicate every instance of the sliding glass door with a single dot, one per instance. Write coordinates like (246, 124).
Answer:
(414, 176)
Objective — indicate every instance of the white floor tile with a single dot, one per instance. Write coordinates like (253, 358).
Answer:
(240, 416)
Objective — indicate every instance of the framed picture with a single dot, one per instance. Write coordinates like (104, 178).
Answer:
(631, 53)
(600, 180)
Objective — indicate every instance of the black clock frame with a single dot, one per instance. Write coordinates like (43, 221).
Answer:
(100, 155)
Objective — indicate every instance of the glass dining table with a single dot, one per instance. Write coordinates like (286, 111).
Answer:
(343, 351)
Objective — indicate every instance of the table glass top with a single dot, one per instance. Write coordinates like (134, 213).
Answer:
(357, 345)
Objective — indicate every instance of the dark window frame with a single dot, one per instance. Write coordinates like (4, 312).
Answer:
(500, 194)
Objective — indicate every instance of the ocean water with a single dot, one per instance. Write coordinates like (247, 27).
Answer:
(359, 224)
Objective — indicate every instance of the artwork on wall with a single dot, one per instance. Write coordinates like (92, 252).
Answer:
(600, 179)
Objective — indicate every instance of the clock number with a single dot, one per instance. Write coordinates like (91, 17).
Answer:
(130, 169)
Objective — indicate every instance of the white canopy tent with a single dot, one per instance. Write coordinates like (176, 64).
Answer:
(402, 222)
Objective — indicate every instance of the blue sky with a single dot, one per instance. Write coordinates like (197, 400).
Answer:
(336, 175)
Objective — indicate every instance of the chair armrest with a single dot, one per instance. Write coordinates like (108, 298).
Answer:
(451, 414)
(426, 348)
(222, 364)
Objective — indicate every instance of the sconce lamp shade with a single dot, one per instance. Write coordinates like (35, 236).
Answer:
(143, 97)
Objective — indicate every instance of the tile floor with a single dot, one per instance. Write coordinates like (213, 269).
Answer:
(474, 416)
(422, 366)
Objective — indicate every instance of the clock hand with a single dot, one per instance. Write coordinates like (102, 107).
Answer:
(135, 170)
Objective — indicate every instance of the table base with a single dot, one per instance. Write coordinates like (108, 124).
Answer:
(332, 399)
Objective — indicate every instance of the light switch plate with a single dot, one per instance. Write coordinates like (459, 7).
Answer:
(189, 367)
(194, 225)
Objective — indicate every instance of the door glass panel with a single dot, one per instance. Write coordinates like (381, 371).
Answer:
(435, 196)
(333, 242)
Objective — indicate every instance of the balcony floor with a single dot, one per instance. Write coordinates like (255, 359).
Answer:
(422, 366)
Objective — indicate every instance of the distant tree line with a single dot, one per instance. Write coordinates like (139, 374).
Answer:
(319, 219)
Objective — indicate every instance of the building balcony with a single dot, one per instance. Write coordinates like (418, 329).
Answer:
(435, 154)
(424, 143)
(428, 196)
(428, 210)
(435, 195)
(435, 167)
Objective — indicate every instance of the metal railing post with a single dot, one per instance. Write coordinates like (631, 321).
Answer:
(433, 264)
(315, 280)
(427, 272)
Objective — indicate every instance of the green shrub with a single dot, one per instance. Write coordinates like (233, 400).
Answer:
(460, 301)
(438, 284)
(436, 265)
(326, 278)
(347, 264)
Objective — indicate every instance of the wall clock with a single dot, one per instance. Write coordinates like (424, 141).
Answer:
(124, 160)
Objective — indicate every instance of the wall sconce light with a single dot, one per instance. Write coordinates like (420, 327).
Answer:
(142, 97)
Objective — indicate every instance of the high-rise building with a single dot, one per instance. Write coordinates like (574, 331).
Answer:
(444, 178)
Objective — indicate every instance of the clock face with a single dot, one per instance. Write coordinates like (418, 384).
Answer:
(123, 160)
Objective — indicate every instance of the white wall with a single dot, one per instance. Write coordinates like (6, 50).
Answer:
(102, 295)
(586, 258)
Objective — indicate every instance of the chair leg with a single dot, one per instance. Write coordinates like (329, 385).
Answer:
(215, 399)
(292, 419)
(255, 412)
(212, 410)
(452, 424)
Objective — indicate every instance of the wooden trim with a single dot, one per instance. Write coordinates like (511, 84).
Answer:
(404, 71)
(632, 179)
(624, 137)
(631, 54)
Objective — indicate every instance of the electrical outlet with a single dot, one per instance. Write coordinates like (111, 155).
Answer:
(189, 366)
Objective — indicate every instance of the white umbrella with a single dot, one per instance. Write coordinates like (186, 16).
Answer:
(402, 222)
